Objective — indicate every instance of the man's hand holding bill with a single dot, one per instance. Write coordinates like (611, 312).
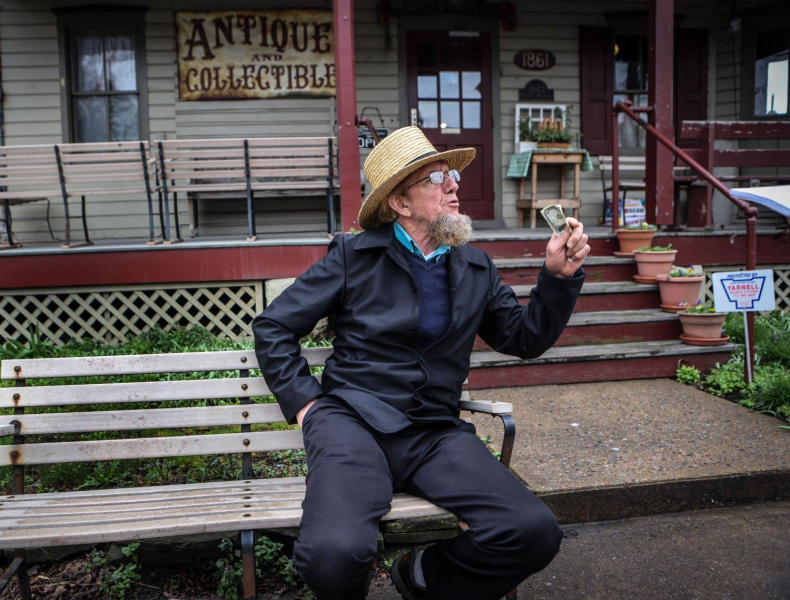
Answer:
(566, 253)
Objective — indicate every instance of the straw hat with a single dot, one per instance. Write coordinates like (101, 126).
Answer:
(395, 158)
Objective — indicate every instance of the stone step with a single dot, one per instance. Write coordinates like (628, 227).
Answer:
(594, 362)
(524, 271)
(613, 327)
(607, 296)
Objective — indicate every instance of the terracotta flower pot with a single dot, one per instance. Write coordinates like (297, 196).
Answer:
(631, 239)
(650, 264)
(702, 325)
(675, 290)
(554, 145)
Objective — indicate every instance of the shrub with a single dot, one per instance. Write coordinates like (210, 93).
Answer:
(688, 374)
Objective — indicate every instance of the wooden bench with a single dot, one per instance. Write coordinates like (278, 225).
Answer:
(77, 170)
(705, 134)
(247, 168)
(126, 514)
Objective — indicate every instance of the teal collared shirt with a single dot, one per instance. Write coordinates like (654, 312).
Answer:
(405, 239)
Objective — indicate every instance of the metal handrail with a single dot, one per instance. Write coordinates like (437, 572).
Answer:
(750, 211)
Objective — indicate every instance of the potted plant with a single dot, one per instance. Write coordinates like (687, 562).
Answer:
(633, 237)
(526, 136)
(702, 325)
(679, 288)
(652, 261)
(551, 133)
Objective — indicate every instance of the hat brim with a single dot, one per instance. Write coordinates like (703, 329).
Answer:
(457, 159)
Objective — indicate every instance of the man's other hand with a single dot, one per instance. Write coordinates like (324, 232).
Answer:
(566, 253)
(303, 411)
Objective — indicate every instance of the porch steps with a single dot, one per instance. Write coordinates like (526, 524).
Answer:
(607, 296)
(593, 362)
(524, 271)
(611, 327)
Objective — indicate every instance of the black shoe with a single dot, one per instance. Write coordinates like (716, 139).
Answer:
(401, 573)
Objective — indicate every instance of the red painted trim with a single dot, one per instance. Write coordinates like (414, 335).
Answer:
(347, 133)
(589, 371)
(529, 275)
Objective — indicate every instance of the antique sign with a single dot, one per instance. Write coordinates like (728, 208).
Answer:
(255, 54)
(535, 60)
(366, 138)
(744, 290)
(535, 89)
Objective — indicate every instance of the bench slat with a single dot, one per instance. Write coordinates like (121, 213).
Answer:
(254, 153)
(30, 194)
(484, 406)
(251, 142)
(148, 391)
(117, 157)
(150, 418)
(108, 177)
(223, 443)
(259, 517)
(213, 187)
(91, 366)
(195, 172)
(236, 163)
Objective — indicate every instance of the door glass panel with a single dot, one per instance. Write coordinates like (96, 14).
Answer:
(770, 74)
(451, 115)
(123, 118)
(470, 82)
(88, 64)
(120, 63)
(448, 84)
(429, 114)
(426, 55)
(91, 118)
(426, 86)
(472, 115)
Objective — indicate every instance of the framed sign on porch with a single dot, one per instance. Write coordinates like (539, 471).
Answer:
(535, 113)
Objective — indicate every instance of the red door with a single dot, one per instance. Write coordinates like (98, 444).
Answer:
(449, 91)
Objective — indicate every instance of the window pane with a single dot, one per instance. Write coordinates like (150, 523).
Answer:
(123, 118)
(120, 63)
(472, 115)
(470, 81)
(451, 115)
(628, 63)
(770, 73)
(448, 84)
(88, 64)
(426, 86)
(426, 54)
(429, 115)
(91, 118)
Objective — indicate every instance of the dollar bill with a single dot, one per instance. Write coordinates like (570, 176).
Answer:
(555, 218)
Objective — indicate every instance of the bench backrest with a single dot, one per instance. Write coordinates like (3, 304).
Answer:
(28, 172)
(260, 163)
(70, 402)
(707, 132)
(627, 163)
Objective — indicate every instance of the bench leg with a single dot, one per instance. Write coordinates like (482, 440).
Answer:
(252, 235)
(7, 219)
(19, 567)
(248, 564)
(85, 223)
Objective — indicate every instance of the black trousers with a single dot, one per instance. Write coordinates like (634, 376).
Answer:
(353, 471)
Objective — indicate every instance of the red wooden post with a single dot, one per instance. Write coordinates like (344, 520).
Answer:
(347, 134)
(615, 173)
(659, 182)
(700, 203)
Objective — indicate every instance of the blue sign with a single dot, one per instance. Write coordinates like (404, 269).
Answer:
(744, 291)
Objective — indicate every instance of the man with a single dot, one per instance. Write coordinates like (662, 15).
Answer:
(407, 297)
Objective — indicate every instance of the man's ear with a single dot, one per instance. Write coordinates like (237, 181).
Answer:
(399, 205)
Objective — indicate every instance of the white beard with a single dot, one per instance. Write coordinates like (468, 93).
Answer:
(451, 230)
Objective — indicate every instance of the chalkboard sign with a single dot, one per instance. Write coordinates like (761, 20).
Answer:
(535, 90)
(366, 138)
(535, 60)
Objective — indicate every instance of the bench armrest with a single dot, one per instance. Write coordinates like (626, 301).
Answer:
(7, 429)
(501, 410)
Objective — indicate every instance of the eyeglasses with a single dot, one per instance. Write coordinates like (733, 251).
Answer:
(437, 177)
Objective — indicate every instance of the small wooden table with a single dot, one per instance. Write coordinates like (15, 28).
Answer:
(533, 203)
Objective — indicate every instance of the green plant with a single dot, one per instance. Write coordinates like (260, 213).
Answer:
(271, 562)
(687, 271)
(525, 131)
(700, 307)
(726, 379)
(688, 374)
(35, 347)
(644, 225)
(230, 571)
(115, 580)
(545, 135)
(666, 248)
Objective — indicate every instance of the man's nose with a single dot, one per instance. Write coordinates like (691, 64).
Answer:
(452, 185)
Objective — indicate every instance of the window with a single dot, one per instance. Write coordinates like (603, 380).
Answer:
(770, 74)
(103, 58)
(630, 83)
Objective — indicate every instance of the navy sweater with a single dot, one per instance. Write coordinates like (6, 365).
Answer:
(431, 278)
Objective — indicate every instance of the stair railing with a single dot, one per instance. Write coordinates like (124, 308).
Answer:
(750, 211)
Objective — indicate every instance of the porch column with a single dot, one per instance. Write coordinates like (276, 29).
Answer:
(661, 39)
(347, 136)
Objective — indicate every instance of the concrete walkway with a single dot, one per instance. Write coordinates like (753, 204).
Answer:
(738, 553)
(599, 451)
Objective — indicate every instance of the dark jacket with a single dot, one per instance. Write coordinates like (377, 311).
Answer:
(380, 366)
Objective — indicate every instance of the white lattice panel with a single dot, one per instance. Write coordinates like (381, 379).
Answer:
(112, 314)
(781, 283)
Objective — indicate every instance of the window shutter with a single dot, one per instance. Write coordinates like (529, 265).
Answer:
(596, 48)
(691, 85)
